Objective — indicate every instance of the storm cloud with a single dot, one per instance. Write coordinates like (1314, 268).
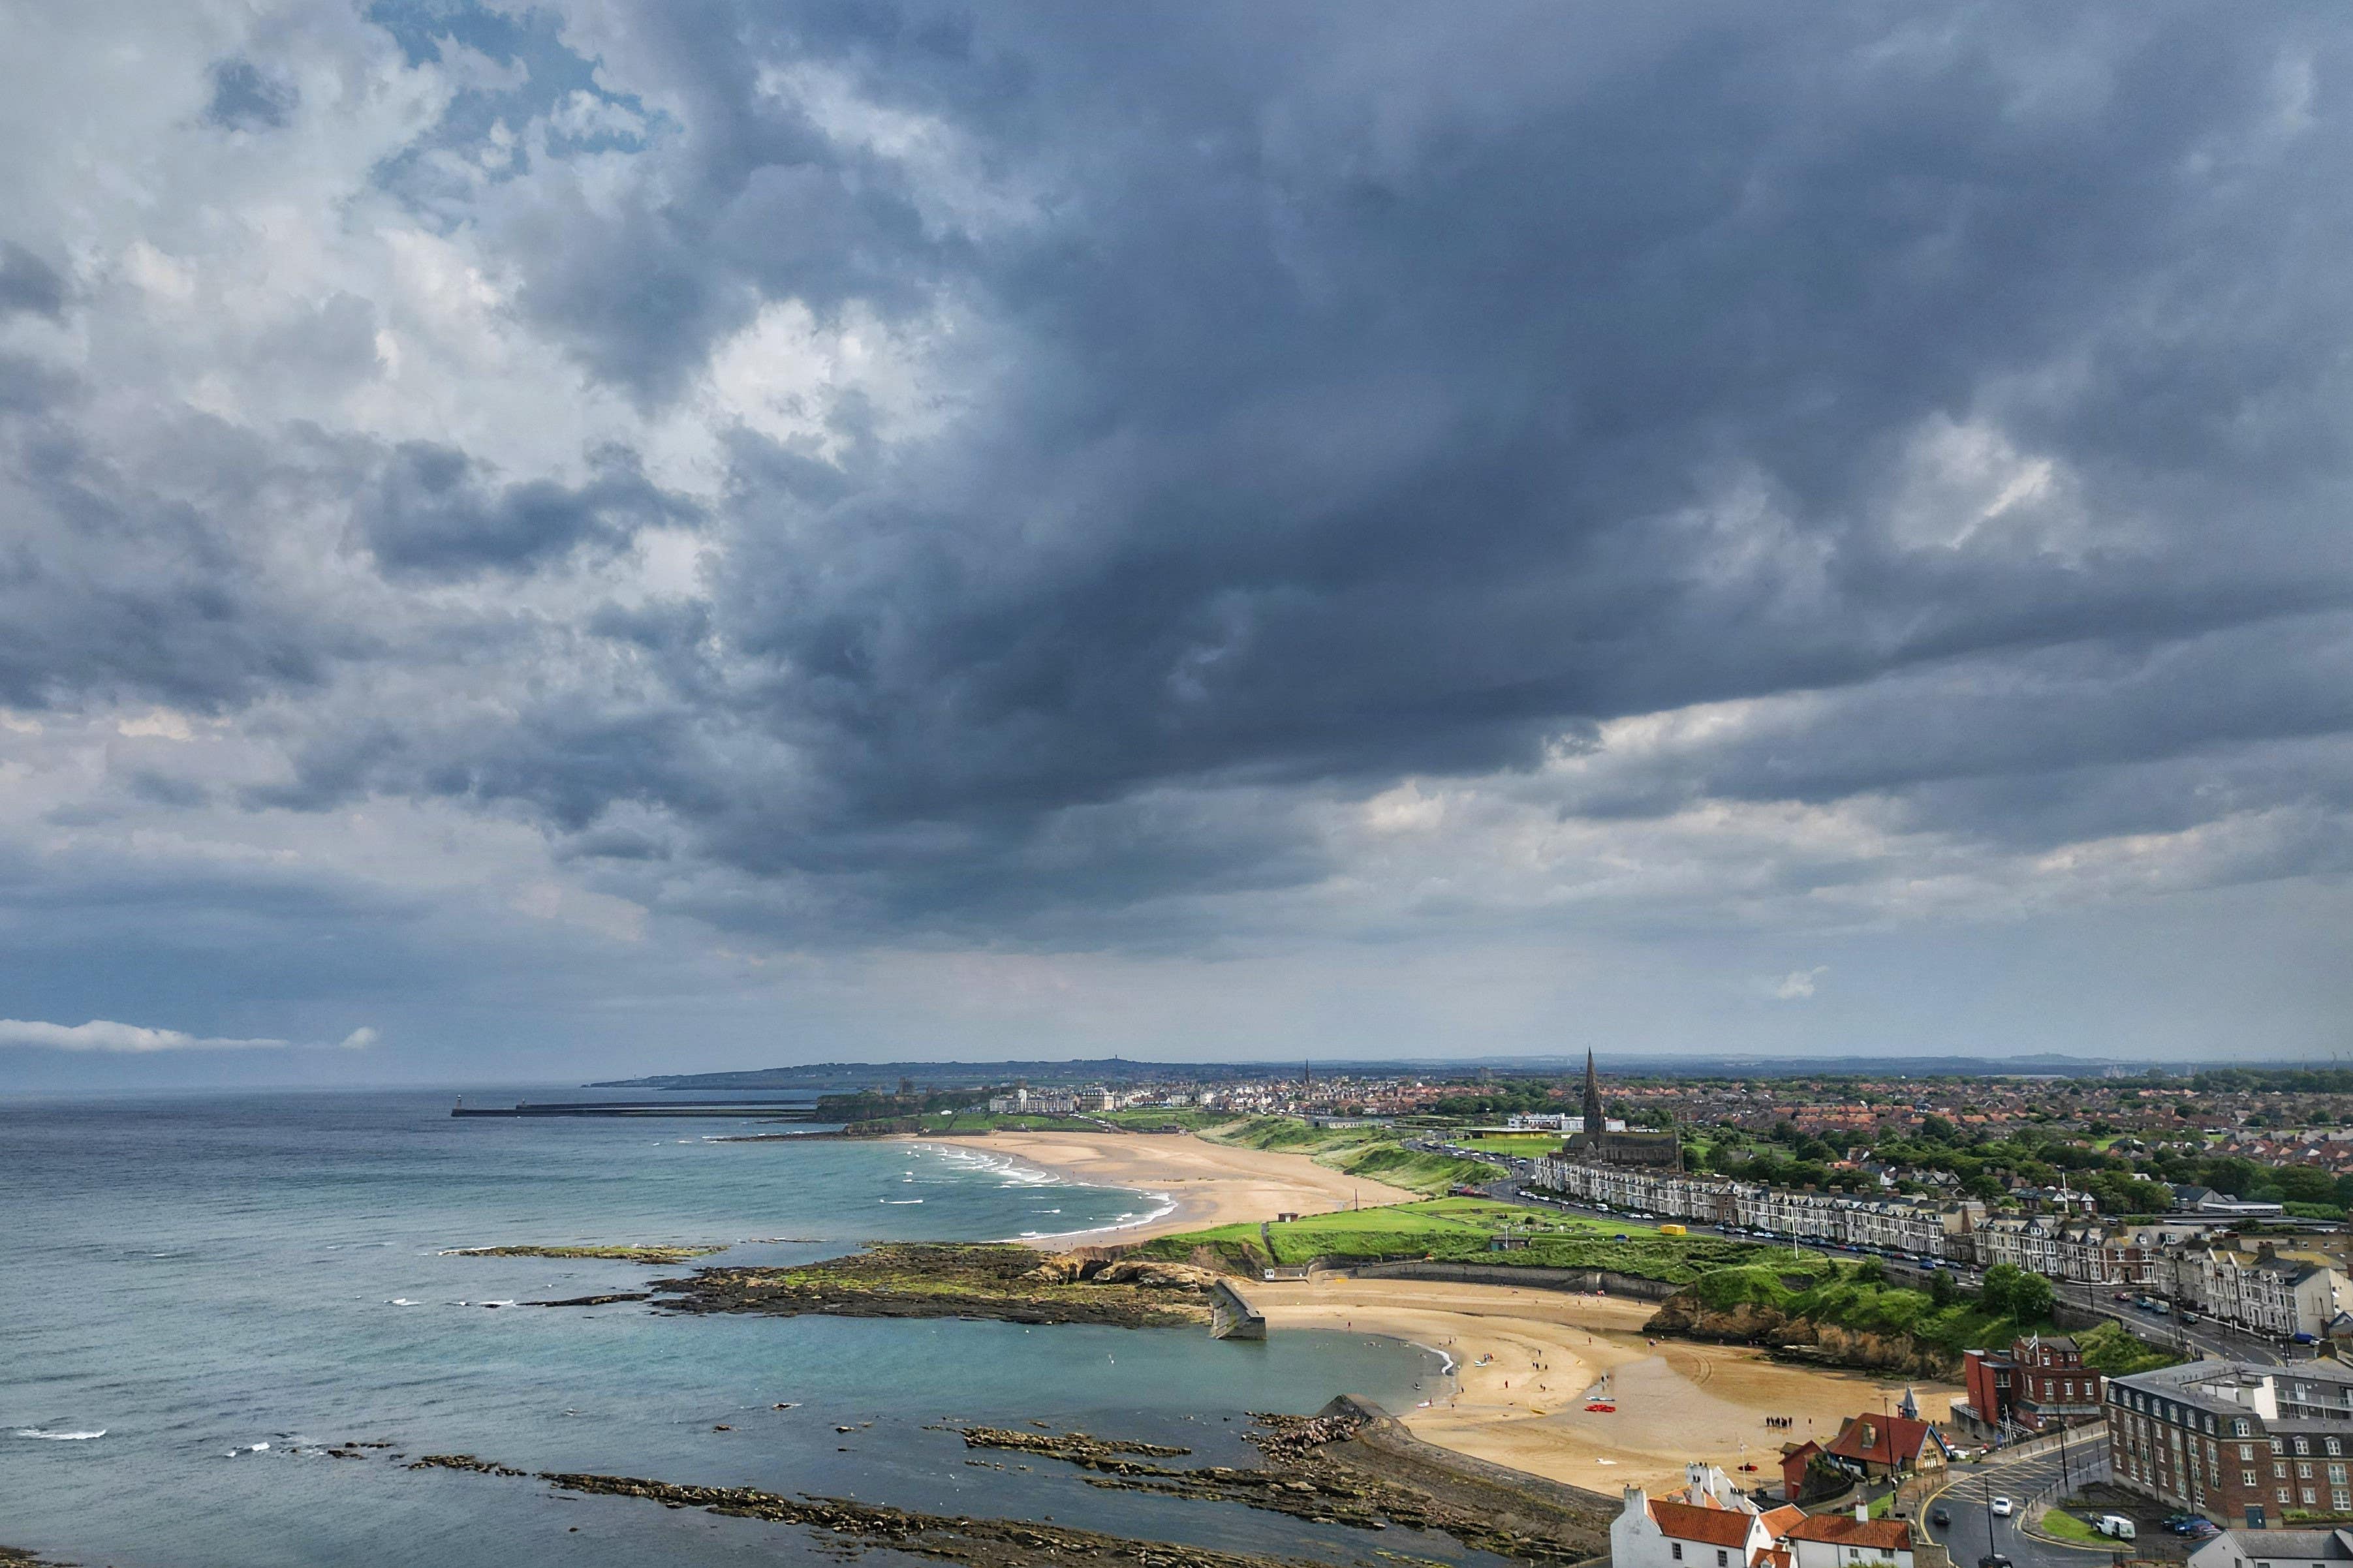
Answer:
(1765, 495)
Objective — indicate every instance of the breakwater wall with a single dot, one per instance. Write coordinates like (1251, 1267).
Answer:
(800, 1112)
(1231, 1317)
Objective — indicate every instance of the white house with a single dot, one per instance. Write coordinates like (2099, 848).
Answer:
(2276, 1549)
(1667, 1532)
(1849, 1541)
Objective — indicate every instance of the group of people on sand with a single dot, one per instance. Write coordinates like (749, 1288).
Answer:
(1783, 1422)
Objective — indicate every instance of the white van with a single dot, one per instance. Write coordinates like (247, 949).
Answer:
(2116, 1525)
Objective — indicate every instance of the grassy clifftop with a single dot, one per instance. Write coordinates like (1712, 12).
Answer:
(1462, 1230)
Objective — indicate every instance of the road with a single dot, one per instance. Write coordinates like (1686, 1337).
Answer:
(2206, 1338)
(1967, 1538)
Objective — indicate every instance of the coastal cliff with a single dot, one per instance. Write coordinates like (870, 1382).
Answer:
(1686, 1316)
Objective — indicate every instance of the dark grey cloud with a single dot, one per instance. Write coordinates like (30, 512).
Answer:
(29, 284)
(436, 511)
(1356, 396)
(1305, 398)
(245, 98)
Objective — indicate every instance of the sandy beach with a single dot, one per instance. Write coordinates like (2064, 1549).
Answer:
(1544, 1350)
(1526, 1407)
(1209, 1183)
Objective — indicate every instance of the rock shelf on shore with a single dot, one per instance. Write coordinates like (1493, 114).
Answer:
(1339, 1467)
(661, 1255)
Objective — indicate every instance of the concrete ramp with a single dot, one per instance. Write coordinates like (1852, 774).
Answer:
(1232, 1317)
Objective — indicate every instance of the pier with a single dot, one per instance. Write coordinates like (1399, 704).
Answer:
(646, 1108)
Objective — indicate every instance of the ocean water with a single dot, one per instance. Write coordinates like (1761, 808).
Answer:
(185, 1280)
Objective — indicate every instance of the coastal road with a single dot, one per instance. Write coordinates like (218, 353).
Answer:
(2204, 1338)
(1967, 1539)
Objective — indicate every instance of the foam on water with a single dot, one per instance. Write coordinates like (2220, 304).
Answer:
(47, 1436)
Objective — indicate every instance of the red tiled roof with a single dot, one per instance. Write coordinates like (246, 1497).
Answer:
(1778, 1521)
(1845, 1530)
(1881, 1439)
(1714, 1526)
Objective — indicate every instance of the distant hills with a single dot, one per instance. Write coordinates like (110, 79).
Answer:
(830, 1077)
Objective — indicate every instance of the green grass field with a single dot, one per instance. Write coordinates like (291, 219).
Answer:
(2062, 1525)
(1460, 1230)
(1528, 1145)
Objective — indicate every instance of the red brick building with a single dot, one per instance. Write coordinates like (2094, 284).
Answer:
(2040, 1385)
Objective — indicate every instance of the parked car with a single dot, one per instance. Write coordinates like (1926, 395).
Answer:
(2002, 1506)
(2176, 1523)
(2306, 1340)
(1940, 1516)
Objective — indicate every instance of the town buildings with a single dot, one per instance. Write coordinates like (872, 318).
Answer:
(1850, 1541)
(1936, 1228)
(2039, 1385)
(2265, 1288)
(1887, 1448)
(1709, 1524)
(2241, 1444)
(2276, 1549)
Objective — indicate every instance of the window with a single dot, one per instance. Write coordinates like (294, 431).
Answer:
(2238, 1428)
(2331, 1445)
(2246, 1451)
(2279, 1471)
(1721, 1559)
(1678, 1545)
(2340, 1499)
(2304, 1472)
(2247, 1478)
(2310, 1497)
(2336, 1474)
(2304, 1445)
(2282, 1494)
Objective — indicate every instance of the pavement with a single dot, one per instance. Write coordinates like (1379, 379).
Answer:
(1974, 1531)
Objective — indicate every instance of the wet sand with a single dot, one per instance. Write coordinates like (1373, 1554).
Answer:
(1676, 1401)
(1209, 1184)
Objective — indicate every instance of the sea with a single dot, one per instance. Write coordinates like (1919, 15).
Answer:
(200, 1292)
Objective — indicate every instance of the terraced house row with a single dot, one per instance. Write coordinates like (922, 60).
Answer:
(2277, 1289)
(1938, 1228)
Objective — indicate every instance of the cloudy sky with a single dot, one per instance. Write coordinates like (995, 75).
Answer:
(539, 541)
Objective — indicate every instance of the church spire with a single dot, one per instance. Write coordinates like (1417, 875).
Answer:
(1592, 1098)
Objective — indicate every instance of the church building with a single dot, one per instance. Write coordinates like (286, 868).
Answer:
(1596, 1145)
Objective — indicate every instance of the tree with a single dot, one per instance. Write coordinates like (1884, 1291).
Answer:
(2001, 1290)
(1937, 1127)
(1942, 1291)
(2032, 1300)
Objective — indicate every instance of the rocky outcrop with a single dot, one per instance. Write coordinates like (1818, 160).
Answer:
(954, 1280)
(1325, 1469)
(1684, 1316)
